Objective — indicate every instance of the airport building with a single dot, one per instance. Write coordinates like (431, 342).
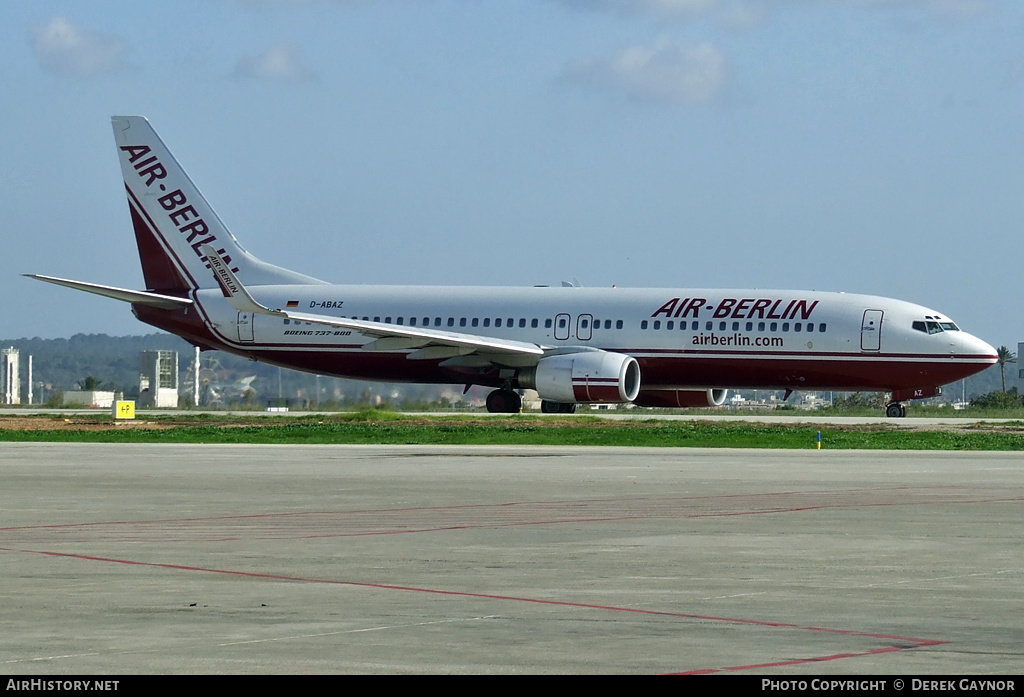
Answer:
(1020, 371)
(158, 379)
(9, 376)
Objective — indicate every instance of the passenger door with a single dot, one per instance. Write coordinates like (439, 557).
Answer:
(871, 331)
(245, 330)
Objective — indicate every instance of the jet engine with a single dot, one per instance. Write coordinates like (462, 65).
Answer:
(592, 377)
(678, 399)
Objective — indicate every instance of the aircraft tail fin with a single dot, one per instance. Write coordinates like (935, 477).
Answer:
(173, 221)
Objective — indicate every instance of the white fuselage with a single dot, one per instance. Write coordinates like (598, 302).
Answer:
(683, 339)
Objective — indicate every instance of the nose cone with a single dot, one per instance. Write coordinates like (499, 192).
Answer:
(975, 350)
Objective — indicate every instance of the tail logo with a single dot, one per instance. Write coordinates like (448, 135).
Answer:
(183, 216)
(153, 169)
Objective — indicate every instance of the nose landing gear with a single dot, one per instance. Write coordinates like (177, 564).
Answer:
(895, 410)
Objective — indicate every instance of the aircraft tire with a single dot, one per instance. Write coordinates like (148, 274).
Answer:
(895, 410)
(504, 402)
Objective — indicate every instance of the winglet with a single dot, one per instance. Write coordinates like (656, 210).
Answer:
(238, 297)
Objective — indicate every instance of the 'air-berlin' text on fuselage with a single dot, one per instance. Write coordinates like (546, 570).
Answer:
(738, 308)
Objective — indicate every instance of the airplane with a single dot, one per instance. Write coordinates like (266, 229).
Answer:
(649, 347)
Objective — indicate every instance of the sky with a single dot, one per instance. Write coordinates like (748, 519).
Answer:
(870, 146)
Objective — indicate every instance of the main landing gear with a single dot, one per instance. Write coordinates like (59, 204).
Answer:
(895, 410)
(504, 401)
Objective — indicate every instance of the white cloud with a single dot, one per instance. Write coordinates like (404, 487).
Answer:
(280, 63)
(67, 49)
(664, 72)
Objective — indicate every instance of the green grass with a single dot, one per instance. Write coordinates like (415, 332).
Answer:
(376, 427)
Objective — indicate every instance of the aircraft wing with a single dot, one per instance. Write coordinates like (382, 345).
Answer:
(389, 337)
(164, 302)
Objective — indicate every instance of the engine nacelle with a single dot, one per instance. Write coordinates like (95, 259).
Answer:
(596, 377)
(681, 399)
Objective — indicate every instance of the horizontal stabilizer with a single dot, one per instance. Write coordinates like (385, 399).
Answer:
(164, 302)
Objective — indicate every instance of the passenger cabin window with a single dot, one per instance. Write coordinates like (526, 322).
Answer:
(618, 324)
(643, 325)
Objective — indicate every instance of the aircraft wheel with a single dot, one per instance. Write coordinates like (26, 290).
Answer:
(504, 402)
(895, 410)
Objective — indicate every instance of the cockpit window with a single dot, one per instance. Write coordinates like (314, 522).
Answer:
(931, 327)
(949, 326)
